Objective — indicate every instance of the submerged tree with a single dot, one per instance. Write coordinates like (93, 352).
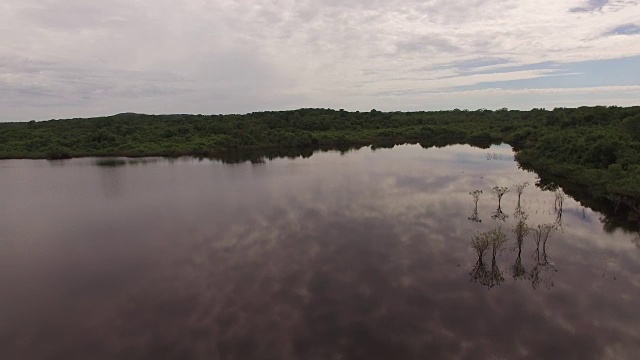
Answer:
(519, 189)
(499, 192)
(476, 197)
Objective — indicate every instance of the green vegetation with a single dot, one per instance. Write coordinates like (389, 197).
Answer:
(590, 151)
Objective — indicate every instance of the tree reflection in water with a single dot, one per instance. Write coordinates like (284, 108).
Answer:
(499, 192)
(499, 215)
(558, 205)
(495, 239)
(543, 269)
(498, 239)
(476, 196)
(635, 206)
(480, 244)
(636, 240)
(520, 230)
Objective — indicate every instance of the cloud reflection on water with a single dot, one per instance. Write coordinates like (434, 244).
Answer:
(365, 255)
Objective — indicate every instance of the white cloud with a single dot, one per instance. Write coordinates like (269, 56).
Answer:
(523, 99)
(237, 56)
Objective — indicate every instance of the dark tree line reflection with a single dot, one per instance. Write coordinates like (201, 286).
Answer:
(495, 239)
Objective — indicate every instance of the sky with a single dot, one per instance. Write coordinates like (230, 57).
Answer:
(78, 58)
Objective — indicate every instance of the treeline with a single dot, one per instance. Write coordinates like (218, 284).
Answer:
(171, 135)
(596, 149)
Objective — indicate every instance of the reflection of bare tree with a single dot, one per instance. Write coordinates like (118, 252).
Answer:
(481, 242)
(557, 205)
(495, 275)
(534, 275)
(474, 217)
(616, 200)
(635, 206)
(636, 240)
(476, 197)
(521, 230)
(498, 239)
(541, 234)
(558, 220)
(499, 192)
(560, 196)
(499, 215)
(496, 156)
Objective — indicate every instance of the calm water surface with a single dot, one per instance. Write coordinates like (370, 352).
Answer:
(363, 255)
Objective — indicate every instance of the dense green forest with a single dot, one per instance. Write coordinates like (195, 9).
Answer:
(592, 151)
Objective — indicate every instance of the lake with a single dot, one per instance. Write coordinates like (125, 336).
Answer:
(365, 254)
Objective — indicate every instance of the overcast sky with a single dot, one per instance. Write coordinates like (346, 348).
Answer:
(79, 58)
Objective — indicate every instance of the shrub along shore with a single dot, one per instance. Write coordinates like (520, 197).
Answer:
(589, 151)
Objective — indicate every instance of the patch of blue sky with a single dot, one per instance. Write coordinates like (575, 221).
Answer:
(467, 66)
(465, 69)
(611, 72)
(590, 5)
(626, 29)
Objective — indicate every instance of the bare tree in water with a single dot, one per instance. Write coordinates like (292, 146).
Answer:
(520, 189)
(476, 197)
(494, 239)
(541, 234)
(499, 192)
(520, 230)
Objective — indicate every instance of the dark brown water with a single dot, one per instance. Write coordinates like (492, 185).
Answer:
(365, 255)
